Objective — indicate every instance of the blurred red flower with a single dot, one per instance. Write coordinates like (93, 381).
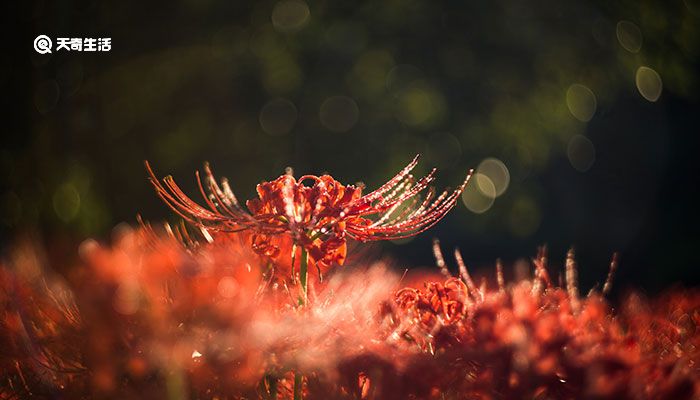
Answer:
(147, 318)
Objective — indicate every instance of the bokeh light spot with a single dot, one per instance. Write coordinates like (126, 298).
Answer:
(581, 153)
(87, 247)
(290, 15)
(368, 76)
(419, 105)
(480, 197)
(339, 113)
(278, 117)
(227, 287)
(127, 298)
(648, 83)
(581, 102)
(498, 175)
(66, 202)
(629, 36)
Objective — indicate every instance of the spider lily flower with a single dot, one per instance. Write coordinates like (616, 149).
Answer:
(317, 213)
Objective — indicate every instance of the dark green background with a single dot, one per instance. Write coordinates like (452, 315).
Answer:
(186, 81)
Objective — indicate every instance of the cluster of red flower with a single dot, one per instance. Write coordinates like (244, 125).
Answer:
(168, 315)
(316, 218)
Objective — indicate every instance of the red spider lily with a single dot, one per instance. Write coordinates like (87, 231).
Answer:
(317, 217)
(146, 318)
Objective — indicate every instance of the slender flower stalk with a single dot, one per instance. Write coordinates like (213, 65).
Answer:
(304, 275)
(298, 385)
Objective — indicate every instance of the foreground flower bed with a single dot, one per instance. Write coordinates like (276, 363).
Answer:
(223, 308)
(148, 317)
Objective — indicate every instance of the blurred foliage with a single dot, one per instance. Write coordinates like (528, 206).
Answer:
(565, 94)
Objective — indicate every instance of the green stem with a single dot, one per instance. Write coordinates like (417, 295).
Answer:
(304, 274)
(270, 386)
(294, 258)
(298, 382)
(303, 278)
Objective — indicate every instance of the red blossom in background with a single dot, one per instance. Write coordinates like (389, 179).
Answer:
(147, 318)
(318, 217)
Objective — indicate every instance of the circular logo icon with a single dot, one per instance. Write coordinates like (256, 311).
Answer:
(42, 44)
